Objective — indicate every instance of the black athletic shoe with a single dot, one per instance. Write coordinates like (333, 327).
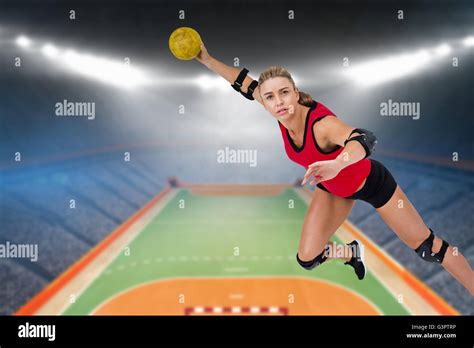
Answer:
(357, 260)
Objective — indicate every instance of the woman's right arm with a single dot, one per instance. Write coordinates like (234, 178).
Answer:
(227, 72)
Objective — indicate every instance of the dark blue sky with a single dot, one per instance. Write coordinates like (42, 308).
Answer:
(257, 32)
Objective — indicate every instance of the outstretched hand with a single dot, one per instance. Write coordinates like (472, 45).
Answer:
(322, 171)
(203, 56)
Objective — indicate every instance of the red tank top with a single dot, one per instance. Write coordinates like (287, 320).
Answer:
(348, 180)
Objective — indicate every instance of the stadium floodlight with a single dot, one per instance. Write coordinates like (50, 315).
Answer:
(110, 71)
(50, 50)
(385, 69)
(442, 49)
(468, 41)
(107, 70)
(23, 41)
(207, 82)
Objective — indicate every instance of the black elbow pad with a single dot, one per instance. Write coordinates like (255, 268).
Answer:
(238, 84)
(366, 138)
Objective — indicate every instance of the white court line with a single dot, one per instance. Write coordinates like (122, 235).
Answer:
(226, 221)
(236, 269)
(173, 259)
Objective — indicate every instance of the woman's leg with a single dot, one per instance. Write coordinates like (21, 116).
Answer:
(324, 216)
(401, 216)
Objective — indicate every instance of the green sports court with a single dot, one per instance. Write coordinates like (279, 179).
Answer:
(228, 249)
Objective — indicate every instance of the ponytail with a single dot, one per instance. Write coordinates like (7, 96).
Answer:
(305, 99)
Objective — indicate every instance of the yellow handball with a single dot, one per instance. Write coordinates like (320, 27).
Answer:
(185, 43)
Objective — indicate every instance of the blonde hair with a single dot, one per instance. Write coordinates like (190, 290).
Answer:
(278, 71)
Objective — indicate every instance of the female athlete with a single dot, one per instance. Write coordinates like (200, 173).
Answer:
(334, 155)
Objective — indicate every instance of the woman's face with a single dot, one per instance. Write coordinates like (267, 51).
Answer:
(279, 97)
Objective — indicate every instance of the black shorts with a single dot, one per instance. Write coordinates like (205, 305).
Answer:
(378, 188)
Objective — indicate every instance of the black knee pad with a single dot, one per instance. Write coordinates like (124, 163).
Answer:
(424, 250)
(309, 265)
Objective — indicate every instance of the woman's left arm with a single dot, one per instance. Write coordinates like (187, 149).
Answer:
(337, 132)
